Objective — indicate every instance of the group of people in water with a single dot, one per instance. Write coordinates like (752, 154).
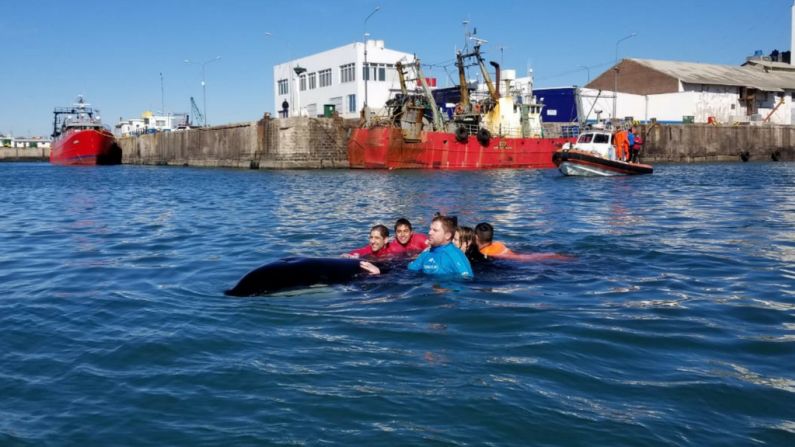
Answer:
(448, 249)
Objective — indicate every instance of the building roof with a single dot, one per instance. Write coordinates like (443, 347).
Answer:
(714, 74)
(763, 64)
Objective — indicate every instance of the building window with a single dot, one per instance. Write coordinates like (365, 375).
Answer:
(348, 73)
(312, 81)
(376, 72)
(351, 103)
(325, 77)
(283, 86)
(337, 102)
(302, 82)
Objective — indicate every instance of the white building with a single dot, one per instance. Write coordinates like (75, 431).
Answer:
(24, 142)
(150, 123)
(760, 91)
(673, 91)
(338, 78)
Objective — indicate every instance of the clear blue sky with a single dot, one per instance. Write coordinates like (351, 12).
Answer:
(113, 52)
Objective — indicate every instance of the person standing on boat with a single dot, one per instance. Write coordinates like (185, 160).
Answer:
(620, 140)
(634, 149)
(630, 142)
(443, 258)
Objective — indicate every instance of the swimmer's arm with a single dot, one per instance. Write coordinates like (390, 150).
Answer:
(369, 267)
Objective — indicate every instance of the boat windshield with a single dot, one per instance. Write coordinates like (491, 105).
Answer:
(601, 138)
(585, 138)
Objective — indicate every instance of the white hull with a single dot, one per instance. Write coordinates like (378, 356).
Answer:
(568, 168)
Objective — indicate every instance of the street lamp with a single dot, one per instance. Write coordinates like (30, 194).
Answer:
(366, 70)
(587, 70)
(615, 77)
(204, 83)
(298, 70)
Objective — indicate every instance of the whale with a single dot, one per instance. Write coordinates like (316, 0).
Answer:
(295, 272)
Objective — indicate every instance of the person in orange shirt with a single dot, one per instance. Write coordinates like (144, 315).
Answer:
(484, 238)
(621, 142)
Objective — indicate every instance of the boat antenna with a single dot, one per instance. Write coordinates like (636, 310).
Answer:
(466, 34)
(162, 96)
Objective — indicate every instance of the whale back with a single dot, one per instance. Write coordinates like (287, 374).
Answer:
(294, 272)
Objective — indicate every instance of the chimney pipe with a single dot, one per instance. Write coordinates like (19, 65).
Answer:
(497, 77)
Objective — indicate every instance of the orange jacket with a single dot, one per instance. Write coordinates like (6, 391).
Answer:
(496, 249)
(621, 142)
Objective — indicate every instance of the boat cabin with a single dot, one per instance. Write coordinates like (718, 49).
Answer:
(598, 142)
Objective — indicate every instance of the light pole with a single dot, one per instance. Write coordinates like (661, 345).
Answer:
(615, 77)
(587, 70)
(366, 70)
(298, 70)
(290, 86)
(162, 96)
(204, 83)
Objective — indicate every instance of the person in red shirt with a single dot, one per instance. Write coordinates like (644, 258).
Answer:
(379, 246)
(407, 242)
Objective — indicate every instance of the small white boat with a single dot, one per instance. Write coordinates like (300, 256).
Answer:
(594, 155)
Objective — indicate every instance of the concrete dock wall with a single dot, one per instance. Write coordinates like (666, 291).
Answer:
(316, 143)
(306, 143)
(24, 153)
(708, 143)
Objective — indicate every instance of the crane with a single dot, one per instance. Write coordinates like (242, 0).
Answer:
(196, 113)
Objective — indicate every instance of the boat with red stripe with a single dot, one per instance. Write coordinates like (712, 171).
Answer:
(594, 155)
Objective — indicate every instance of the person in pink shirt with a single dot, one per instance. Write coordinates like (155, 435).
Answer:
(378, 248)
(407, 243)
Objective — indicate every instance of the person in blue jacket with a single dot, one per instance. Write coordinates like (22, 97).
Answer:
(443, 258)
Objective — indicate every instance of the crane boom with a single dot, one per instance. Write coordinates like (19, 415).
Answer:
(197, 113)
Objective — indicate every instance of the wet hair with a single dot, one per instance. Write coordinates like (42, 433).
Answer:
(402, 221)
(472, 253)
(466, 234)
(383, 230)
(448, 223)
(484, 232)
(453, 219)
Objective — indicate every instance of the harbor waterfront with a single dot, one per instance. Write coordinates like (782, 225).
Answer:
(319, 143)
(323, 143)
(672, 324)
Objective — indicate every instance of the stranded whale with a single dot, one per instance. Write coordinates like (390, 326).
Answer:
(290, 273)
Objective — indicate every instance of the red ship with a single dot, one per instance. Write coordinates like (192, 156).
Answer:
(80, 139)
(484, 131)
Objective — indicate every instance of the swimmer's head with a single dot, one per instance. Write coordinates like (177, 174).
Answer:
(463, 238)
(441, 231)
(378, 237)
(403, 231)
(484, 233)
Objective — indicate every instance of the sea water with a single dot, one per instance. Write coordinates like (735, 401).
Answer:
(672, 323)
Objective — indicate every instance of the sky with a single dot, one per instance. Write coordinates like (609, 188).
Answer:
(128, 57)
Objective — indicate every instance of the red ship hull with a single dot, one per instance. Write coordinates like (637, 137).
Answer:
(385, 148)
(85, 147)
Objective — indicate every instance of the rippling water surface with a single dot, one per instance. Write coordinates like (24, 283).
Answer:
(673, 324)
